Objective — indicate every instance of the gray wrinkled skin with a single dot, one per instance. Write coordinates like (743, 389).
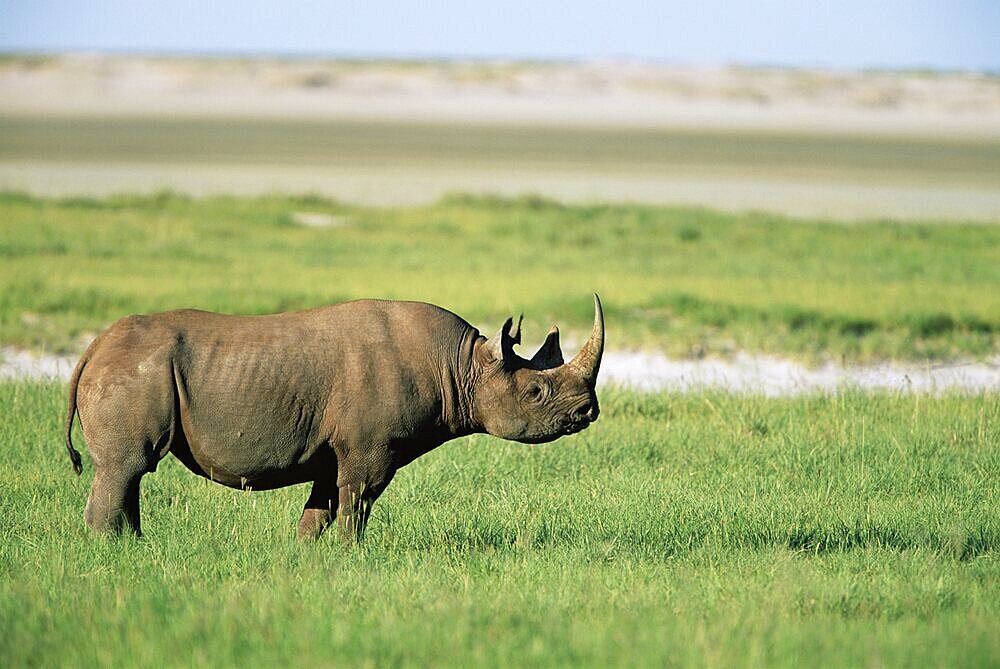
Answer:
(340, 396)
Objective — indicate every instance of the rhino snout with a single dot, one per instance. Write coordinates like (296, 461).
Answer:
(580, 417)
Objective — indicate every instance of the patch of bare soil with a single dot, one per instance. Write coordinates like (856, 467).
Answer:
(655, 372)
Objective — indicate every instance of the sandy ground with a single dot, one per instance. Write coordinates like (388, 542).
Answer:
(775, 376)
(963, 109)
(744, 373)
(405, 186)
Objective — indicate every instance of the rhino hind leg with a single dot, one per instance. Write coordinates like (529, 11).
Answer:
(113, 503)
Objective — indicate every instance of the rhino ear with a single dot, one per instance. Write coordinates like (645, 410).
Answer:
(549, 355)
(501, 345)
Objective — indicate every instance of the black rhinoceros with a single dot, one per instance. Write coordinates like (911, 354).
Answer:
(341, 396)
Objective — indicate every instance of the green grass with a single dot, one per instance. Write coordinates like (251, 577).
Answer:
(682, 280)
(680, 530)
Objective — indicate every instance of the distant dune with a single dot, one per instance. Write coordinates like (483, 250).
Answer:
(593, 93)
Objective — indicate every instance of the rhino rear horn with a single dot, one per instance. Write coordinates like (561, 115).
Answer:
(588, 361)
(549, 355)
(501, 345)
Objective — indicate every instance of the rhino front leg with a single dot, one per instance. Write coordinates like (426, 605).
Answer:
(353, 511)
(356, 500)
(319, 511)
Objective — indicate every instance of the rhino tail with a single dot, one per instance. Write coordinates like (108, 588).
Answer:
(74, 381)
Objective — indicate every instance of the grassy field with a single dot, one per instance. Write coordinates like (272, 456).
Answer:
(690, 530)
(686, 281)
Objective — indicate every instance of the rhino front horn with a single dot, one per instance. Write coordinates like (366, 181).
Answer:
(588, 361)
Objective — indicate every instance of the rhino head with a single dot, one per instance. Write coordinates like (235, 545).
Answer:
(541, 399)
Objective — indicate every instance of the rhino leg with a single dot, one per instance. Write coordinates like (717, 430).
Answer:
(113, 503)
(353, 511)
(121, 460)
(319, 511)
(356, 500)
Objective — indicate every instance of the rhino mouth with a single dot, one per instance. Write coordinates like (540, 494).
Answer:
(565, 430)
(579, 426)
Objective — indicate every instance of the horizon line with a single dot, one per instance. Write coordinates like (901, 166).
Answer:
(376, 57)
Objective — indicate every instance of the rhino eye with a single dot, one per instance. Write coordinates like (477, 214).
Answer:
(533, 393)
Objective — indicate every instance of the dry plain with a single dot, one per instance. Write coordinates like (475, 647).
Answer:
(844, 145)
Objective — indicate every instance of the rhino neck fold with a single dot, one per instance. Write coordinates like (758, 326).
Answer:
(457, 384)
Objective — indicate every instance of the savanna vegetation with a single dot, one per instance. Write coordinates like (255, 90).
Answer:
(684, 280)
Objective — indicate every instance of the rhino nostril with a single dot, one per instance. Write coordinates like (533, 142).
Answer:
(583, 412)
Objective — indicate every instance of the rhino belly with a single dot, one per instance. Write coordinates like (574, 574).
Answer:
(258, 449)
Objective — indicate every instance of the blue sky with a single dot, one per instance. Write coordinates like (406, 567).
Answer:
(849, 33)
